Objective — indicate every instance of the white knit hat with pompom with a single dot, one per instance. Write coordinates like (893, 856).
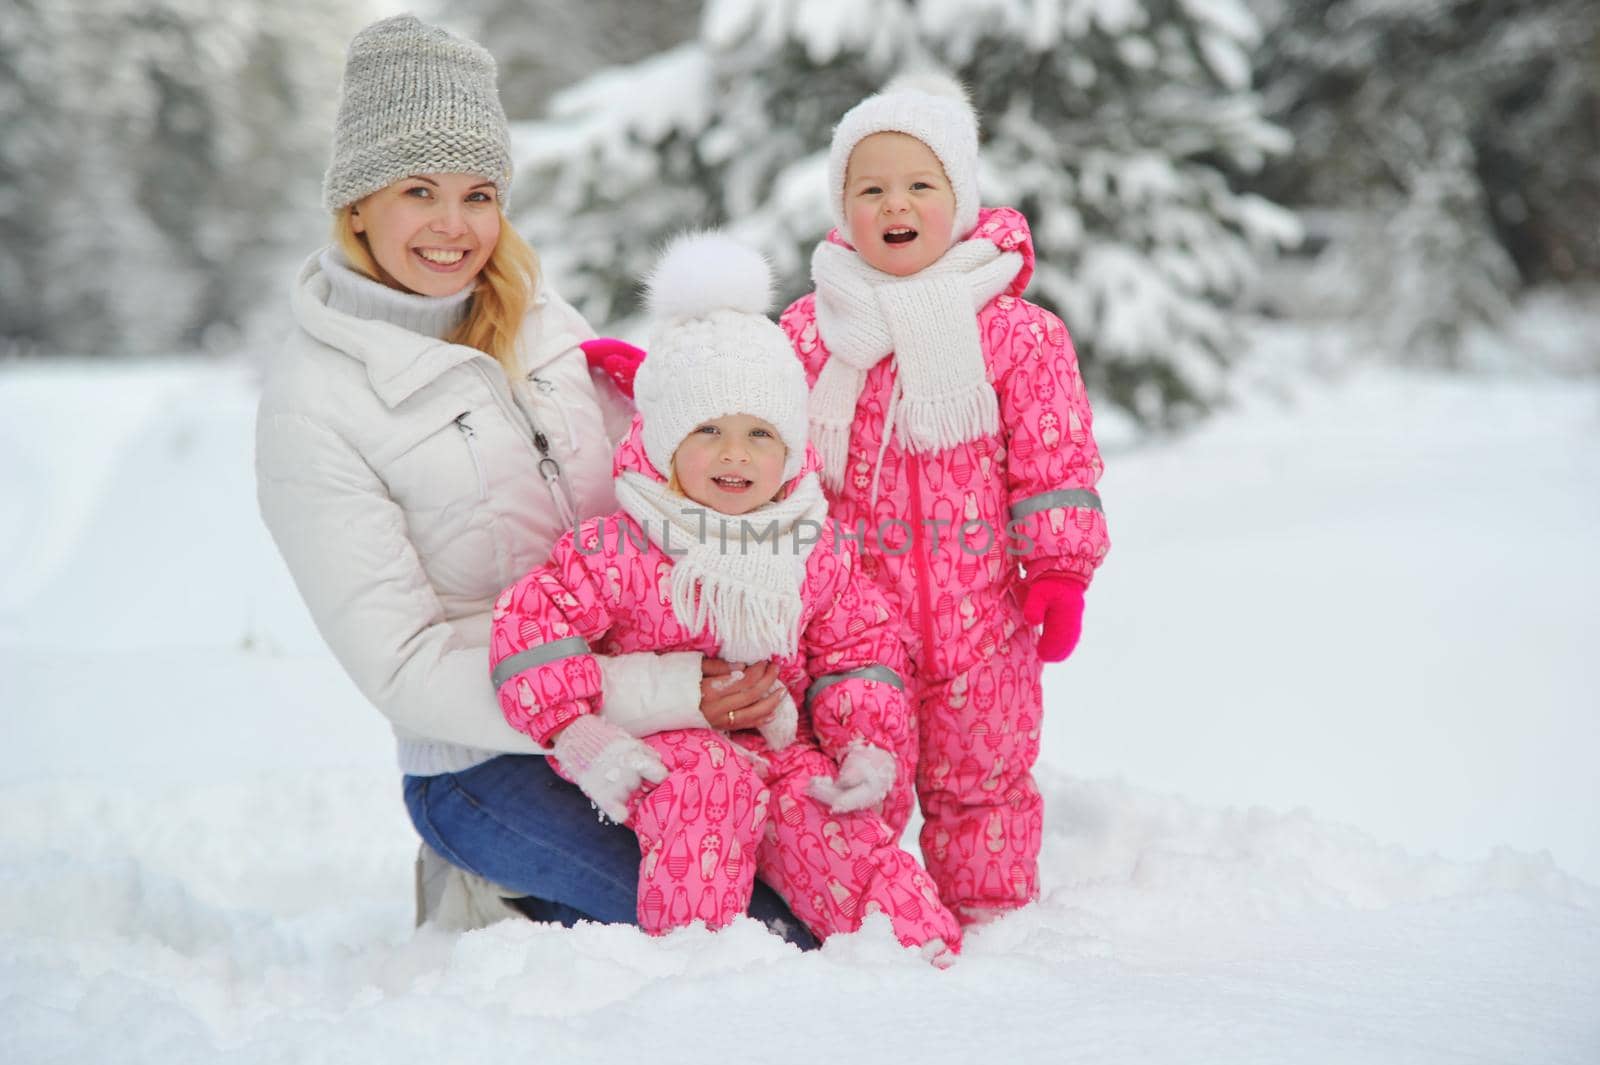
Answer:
(713, 350)
(931, 107)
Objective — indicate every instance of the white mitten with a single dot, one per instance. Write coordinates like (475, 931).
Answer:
(608, 764)
(780, 727)
(865, 777)
(649, 693)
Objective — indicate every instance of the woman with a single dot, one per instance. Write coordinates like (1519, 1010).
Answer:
(432, 427)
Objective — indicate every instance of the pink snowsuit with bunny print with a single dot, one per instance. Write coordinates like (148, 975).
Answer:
(953, 536)
(719, 819)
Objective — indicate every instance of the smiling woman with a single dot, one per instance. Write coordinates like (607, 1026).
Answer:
(431, 430)
(430, 233)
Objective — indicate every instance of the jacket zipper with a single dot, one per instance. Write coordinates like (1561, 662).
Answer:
(471, 436)
(548, 388)
(549, 467)
(924, 564)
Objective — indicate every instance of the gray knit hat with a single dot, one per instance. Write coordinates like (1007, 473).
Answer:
(416, 100)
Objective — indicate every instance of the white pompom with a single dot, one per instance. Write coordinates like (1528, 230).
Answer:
(704, 272)
(932, 82)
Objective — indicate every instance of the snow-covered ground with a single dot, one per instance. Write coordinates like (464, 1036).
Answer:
(1321, 778)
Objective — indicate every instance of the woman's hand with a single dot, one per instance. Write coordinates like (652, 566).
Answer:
(734, 696)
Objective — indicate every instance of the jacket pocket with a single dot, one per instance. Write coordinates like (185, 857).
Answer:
(471, 436)
(441, 469)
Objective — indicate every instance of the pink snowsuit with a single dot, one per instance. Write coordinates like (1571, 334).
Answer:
(718, 820)
(951, 540)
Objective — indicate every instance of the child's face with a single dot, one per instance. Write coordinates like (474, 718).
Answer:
(899, 203)
(731, 464)
(432, 233)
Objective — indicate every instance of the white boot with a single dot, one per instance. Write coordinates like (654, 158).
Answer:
(454, 899)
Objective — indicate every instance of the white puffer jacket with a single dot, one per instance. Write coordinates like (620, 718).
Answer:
(400, 477)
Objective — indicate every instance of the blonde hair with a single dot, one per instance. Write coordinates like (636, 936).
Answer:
(500, 301)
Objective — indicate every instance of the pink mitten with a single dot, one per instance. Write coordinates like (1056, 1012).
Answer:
(1057, 602)
(617, 358)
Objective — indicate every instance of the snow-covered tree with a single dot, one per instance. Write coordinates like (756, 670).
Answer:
(160, 160)
(1463, 134)
(544, 46)
(1120, 127)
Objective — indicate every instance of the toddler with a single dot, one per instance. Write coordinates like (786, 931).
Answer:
(955, 440)
(722, 547)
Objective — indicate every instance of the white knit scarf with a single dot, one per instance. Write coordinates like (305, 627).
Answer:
(748, 590)
(929, 322)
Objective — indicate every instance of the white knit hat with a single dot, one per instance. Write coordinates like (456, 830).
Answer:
(713, 350)
(930, 107)
(416, 99)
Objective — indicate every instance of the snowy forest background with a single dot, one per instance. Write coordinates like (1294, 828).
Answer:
(1413, 167)
(1320, 779)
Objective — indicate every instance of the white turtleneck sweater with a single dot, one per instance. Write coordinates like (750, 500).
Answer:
(357, 295)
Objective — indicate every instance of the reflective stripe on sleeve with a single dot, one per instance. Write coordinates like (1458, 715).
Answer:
(1064, 497)
(878, 673)
(538, 656)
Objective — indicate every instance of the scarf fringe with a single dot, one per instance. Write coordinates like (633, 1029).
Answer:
(935, 424)
(747, 596)
(836, 389)
(749, 624)
(833, 448)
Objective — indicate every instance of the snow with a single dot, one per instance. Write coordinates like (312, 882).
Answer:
(1317, 780)
(649, 99)
(1227, 60)
(1230, 17)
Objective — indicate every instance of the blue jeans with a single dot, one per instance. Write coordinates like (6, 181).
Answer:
(512, 820)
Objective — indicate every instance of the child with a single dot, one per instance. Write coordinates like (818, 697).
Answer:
(955, 439)
(722, 547)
